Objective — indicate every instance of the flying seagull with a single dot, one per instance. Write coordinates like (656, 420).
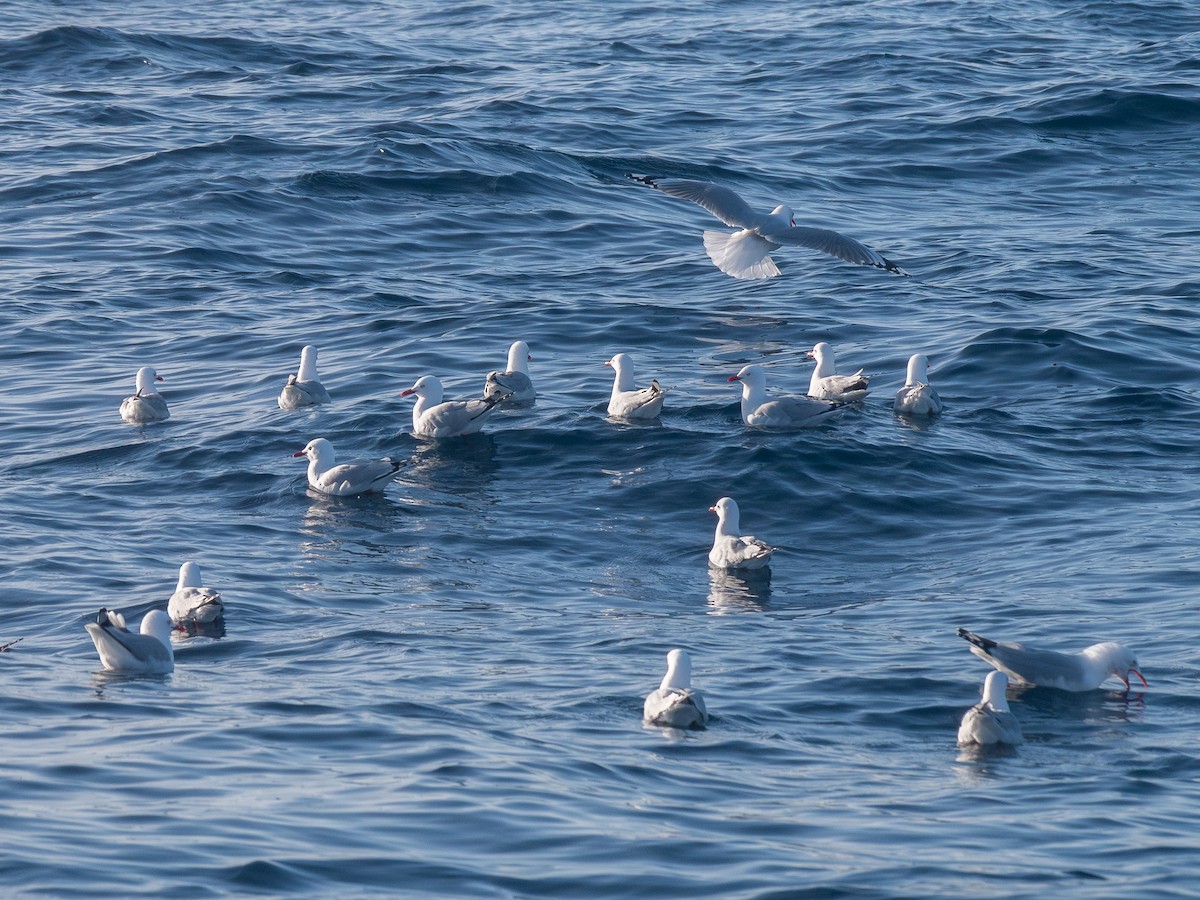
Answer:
(747, 253)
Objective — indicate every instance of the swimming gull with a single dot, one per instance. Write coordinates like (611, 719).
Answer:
(629, 402)
(304, 388)
(826, 384)
(730, 549)
(192, 602)
(990, 721)
(778, 412)
(147, 653)
(676, 704)
(146, 404)
(513, 381)
(1084, 670)
(358, 476)
(917, 397)
(434, 418)
(746, 253)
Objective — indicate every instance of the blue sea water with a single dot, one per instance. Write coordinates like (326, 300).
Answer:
(437, 691)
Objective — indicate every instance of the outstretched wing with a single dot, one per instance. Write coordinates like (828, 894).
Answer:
(721, 202)
(835, 244)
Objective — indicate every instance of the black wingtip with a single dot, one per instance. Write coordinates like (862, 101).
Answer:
(972, 638)
(642, 179)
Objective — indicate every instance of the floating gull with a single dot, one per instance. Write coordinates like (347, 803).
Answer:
(825, 384)
(731, 550)
(192, 602)
(777, 412)
(147, 653)
(514, 381)
(304, 388)
(1081, 671)
(746, 253)
(989, 721)
(629, 402)
(358, 476)
(146, 404)
(434, 418)
(675, 704)
(917, 397)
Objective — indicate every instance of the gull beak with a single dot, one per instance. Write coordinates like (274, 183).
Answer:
(297, 453)
(159, 378)
(1140, 678)
(609, 363)
(733, 378)
(407, 392)
(712, 509)
(529, 358)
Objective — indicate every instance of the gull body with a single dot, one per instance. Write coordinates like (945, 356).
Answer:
(435, 418)
(513, 381)
(676, 704)
(192, 602)
(917, 397)
(731, 549)
(1084, 670)
(826, 384)
(628, 401)
(146, 404)
(146, 653)
(358, 476)
(990, 721)
(304, 388)
(778, 412)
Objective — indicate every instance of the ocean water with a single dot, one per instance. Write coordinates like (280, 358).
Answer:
(437, 691)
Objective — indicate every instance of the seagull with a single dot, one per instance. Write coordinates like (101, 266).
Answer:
(146, 404)
(1081, 671)
(731, 550)
(192, 602)
(515, 380)
(746, 254)
(989, 721)
(433, 418)
(358, 476)
(148, 653)
(825, 385)
(675, 704)
(780, 412)
(304, 388)
(917, 397)
(628, 402)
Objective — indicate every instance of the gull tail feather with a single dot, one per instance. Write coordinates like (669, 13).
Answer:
(741, 254)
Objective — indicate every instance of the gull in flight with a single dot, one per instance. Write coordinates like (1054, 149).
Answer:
(747, 253)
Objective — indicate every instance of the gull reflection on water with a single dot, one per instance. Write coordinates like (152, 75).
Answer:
(739, 590)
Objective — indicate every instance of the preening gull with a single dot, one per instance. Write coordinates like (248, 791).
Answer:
(358, 476)
(147, 653)
(304, 388)
(675, 704)
(1084, 670)
(826, 384)
(746, 253)
(192, 602)
(730, 549)
(917, 397)
(513, 381)
(434, 418)
(778, 412)
(629, 402)
(989, 721)
(146, 404)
